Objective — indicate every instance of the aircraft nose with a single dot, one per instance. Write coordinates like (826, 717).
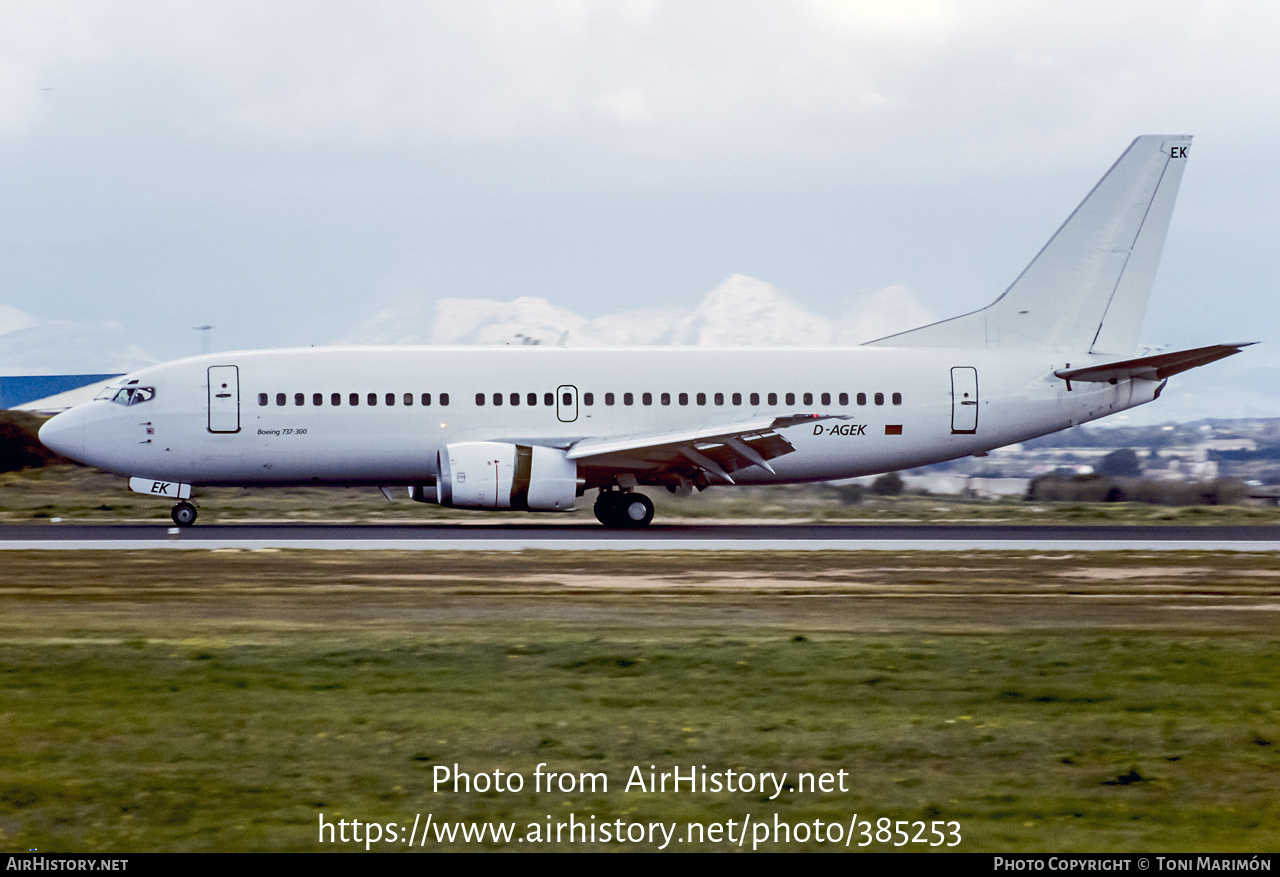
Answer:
(64, 433)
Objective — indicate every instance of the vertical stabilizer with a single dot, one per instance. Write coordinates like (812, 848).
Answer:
(1087, 289)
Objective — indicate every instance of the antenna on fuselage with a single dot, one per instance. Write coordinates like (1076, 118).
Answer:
(204, 337)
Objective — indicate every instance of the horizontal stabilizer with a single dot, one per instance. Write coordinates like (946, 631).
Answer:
(1152, 368)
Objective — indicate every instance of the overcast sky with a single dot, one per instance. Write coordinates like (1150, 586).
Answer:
(285, 171)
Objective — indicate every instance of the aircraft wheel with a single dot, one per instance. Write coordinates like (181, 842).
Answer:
(184, 514)
(635, 510)
(606, 509)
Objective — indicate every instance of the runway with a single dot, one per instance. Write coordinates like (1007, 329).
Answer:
(674, 537)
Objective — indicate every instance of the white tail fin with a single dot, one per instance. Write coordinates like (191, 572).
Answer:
(1087, 290)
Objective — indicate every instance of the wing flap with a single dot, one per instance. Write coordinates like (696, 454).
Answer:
(717, 450)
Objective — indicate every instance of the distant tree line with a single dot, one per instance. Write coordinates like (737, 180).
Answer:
(20, 447)
(1061, 487)
(888, 484)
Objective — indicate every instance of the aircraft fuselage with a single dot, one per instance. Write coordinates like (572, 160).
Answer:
(382, 415)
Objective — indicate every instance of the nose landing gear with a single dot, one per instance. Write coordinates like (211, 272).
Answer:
(183, 514)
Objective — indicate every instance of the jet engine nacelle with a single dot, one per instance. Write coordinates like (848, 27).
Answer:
(501, 475)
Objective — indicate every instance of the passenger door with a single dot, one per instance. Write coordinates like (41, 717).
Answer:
(224, 398)
(964, 399)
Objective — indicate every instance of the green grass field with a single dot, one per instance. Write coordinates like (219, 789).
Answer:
(192, 700)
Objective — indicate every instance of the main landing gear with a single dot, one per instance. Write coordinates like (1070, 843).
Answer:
(183, 514)
(614, 509)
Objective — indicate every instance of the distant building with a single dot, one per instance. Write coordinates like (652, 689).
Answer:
(1229, 444)
(48, 392)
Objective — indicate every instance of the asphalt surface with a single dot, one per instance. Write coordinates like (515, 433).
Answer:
(693, 536)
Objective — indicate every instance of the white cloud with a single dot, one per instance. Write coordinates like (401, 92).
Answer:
(626, 107)
(70, 347)
(711, 75)
(13, 320)
(31, 346)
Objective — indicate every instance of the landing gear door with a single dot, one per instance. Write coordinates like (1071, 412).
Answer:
(567, 403)
(224, 398)
(964, 399)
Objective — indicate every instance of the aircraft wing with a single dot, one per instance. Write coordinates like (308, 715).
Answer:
(716, 450)
(1152, 368)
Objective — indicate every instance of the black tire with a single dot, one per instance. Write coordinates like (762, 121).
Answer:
(606, 509)
(183, 514)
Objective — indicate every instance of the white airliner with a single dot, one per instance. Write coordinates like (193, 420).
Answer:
(534, 428)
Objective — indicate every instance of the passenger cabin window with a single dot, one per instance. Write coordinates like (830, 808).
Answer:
(444, 398)
(628, 399)
(426, 399)
(862, 398)
(791, 398)
(532, 399)
(317, 398)
(755, 398)
(737, 398)
(497, 398)
(844, 398)
(279, 398)
(879, 398)
(608, 398)
(826, 398)
(480, 399)
(808, 398)
(646, 399)
(701, 398)
(588, 399)
(335, 399)
(391, 398)
(299, 399)
(665, 398)
(373, 398)
(262, 398)
(773, 398)
(408, 398)
(549, 399)
(354, 399)
(684, 398)
(515, 398)
(718, 398)
(897, 398)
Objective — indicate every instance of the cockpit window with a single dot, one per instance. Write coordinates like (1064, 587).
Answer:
(129, 395)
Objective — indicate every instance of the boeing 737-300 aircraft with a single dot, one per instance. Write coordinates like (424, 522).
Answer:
(534, 428)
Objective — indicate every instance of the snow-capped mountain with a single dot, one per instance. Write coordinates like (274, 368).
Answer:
(741, 311)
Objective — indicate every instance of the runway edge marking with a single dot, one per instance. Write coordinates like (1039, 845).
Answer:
(639, 545)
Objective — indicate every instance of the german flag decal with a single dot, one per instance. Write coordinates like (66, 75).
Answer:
(893, 429)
